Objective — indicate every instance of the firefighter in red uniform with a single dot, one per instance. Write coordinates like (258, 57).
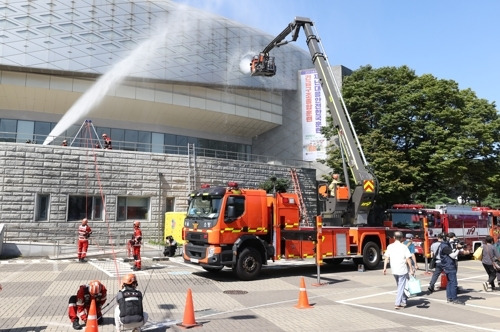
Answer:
(79, 304)
(84, 232)
(107, 142)
(136, 244)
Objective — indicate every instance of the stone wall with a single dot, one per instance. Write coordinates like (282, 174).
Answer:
(31, 169)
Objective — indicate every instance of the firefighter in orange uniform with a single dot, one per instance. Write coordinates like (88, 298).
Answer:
(84, 232)
(136, 244)
(79, 304)
(107, 142)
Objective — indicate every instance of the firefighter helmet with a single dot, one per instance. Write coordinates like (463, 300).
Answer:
(129, 279)
(137, 223)
(95, 287)
(85, 221)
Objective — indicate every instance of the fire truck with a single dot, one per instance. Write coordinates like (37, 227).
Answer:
(408, 219)
(470, 224)
(243, 229)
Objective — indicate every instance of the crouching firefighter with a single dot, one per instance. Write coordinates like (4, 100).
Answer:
(129, 313)
(79, 304)
(170, 246)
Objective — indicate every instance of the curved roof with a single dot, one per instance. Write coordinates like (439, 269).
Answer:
(177, 43)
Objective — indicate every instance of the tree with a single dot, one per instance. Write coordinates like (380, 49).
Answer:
(281, 185)
(425, 138)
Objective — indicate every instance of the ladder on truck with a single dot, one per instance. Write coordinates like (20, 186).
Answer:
(302, 207)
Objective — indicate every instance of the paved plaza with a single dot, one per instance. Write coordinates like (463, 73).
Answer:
(36, 291)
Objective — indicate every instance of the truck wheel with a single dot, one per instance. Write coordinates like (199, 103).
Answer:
(212, 269)
(371, 255)
(249, 264)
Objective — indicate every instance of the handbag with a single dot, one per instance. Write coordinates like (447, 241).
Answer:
(414, 285)
(432, 264)
(478, 254)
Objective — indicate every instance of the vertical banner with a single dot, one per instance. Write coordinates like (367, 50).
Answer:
(313, 116)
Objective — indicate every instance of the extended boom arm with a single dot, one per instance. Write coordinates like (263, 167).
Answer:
(263, 65)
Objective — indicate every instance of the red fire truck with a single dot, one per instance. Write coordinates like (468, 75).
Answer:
(243, 229)
(469, 224)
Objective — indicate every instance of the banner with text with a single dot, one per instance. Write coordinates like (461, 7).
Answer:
(313, 116)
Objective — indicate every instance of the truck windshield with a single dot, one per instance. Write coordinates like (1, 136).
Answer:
(205, 207)
(405, 220)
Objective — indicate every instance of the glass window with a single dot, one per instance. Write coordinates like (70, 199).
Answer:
(157, 142)
(25, 131)
(42, 130)
(130, 141)
(170, 204)
(144, 139)
(42, 207)
(170, 144)
(8, 129)
(80, 207)
(235, 207)
(117, 137)
(181, 140)
(136, 208)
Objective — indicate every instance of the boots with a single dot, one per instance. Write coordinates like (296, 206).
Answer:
(76, 325)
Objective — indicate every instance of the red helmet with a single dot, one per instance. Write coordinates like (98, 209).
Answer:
(95, 287)
(137, 223)
(129, 279)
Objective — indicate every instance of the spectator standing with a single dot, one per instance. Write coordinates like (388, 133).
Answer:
(84, 232)
(107, 142)
(400, 259)
(129, 313)
(490, 254)
(79, 304)
(411, 247)
(449, 265)
(436, 252)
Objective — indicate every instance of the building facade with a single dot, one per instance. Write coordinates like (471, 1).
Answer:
(166, 82)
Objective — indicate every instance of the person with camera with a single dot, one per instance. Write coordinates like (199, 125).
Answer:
(490, 254)
(449, 258)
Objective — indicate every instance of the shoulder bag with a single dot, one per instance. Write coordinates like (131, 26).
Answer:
(478, 253)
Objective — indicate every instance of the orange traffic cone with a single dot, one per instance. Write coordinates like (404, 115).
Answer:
(189, 320)
(91, 325)
(303, 301)
(444, 281)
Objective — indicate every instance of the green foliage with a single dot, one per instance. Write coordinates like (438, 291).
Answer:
(426, 140)
(281, 184)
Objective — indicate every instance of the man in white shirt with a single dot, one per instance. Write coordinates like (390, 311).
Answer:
(400, 258)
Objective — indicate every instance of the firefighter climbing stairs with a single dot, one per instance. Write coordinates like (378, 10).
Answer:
(302, 207)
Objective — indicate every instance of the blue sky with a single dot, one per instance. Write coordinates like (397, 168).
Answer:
(450, 39)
